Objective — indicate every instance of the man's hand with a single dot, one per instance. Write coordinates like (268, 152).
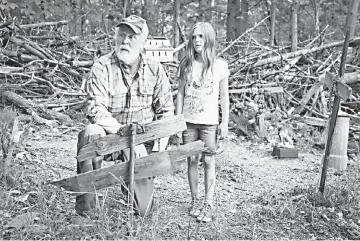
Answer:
(223, 130)
(178, 138)
(89, 107)
(124, 130)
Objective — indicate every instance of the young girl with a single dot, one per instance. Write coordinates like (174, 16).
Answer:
(202, 77)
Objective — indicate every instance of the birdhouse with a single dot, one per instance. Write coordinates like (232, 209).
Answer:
(159, 49)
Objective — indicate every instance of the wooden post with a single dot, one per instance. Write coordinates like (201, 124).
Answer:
(335, 108)
(10, 151)
(131, 171)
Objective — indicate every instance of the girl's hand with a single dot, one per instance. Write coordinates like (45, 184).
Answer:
(224, 130)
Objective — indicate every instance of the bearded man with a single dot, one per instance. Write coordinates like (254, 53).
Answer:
(125, 87)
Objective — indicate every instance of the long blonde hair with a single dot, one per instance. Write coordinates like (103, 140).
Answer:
(207, 54)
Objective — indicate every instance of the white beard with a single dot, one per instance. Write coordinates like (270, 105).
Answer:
(128, 58)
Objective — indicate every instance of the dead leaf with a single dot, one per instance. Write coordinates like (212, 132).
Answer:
(23, 198)
(22, 220)
(16, 192)
(20, 155)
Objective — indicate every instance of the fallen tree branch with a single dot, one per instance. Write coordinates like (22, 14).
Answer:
(45, 24)
(276, 59)
(31, 106)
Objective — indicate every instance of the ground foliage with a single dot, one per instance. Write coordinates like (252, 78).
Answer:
(257, 197)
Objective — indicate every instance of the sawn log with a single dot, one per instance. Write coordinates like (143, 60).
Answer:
(156, 164)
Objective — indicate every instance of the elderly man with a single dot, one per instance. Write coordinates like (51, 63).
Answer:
(125, 88)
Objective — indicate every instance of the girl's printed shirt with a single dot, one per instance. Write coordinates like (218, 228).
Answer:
(201, 98)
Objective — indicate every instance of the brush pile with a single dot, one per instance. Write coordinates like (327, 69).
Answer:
(276, 93)
(272, 90)
(43, 71)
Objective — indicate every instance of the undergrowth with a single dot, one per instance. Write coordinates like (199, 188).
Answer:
(332, 214)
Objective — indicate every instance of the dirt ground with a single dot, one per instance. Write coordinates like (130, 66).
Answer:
(252, 194)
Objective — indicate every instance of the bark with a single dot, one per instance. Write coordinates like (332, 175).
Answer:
(29, 48)
(150, 15)
(126, 3)
(233, 10)
(351, 18)
(272, 23)
(82, 16)
(74, 17)
(294, 25)
(127, 8)
(175, 24)
(316, 6)
(243, 17)
(23, 58)
(205, 10)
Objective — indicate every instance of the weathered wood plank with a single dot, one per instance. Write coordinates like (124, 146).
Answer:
(153, 165)
(112, 143)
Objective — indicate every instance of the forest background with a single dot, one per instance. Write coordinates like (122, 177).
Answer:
(88, 19)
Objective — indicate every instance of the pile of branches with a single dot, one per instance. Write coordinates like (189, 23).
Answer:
(287, 88)
(43, 70)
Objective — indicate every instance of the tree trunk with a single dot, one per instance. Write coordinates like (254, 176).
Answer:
(272, 23)
(352, 16)
(294, 27)
(175, 25)
(316, 6)
(74, 16)
(126, 3)
(150, 14)
(233, 10)
(243, 17)
(82, 6)
(162, 24)
(205, 10)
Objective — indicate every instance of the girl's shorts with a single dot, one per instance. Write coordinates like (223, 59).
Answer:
(205, 133)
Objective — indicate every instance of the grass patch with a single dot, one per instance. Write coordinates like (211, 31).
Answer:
(309, 213)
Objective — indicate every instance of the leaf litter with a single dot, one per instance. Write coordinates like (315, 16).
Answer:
(257, 197)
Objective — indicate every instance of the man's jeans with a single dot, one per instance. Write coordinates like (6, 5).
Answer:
(86, 203)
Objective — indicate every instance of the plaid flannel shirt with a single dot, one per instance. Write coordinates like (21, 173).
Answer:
(115, 102)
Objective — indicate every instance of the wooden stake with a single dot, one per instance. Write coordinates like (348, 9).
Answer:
(335, 111)
(131, 171)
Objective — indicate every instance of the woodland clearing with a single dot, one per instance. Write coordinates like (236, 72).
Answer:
(258, 197)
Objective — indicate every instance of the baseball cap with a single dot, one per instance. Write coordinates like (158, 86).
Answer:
(136, 23)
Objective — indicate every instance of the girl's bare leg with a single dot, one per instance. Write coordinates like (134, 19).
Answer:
(209, 168)
(193, 175)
